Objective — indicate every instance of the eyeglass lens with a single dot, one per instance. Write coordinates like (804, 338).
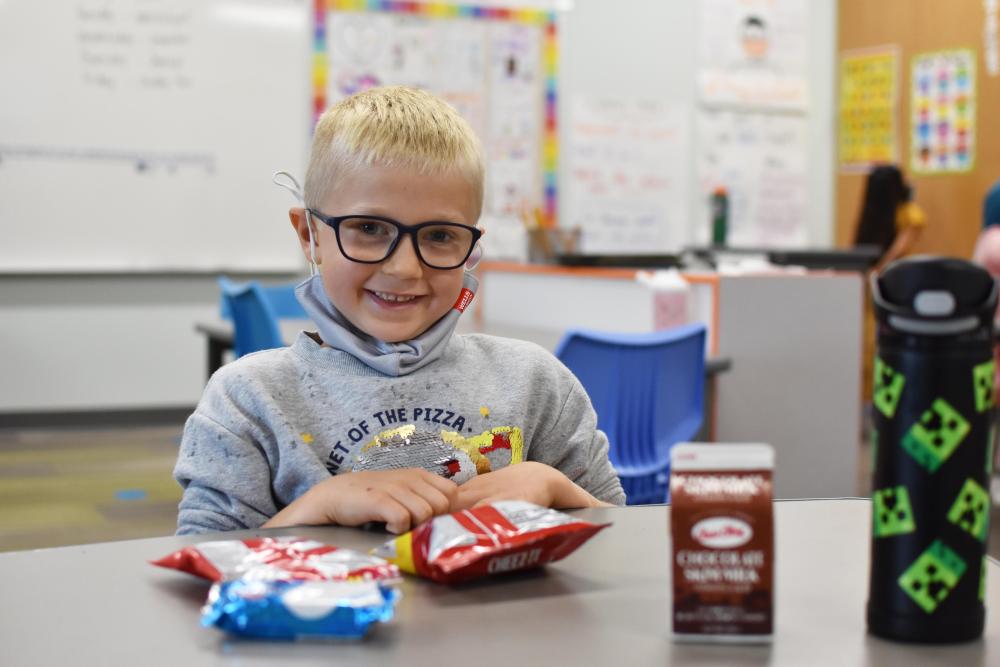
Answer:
(368, 240)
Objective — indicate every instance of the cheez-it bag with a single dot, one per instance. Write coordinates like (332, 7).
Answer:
(494, 538)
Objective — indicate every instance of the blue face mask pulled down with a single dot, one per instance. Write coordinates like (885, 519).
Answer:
(393, 359)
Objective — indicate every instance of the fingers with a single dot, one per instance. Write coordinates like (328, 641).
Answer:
(471, 494)
(445, 486)
(441, 503)
(418, 510)
(395, 514)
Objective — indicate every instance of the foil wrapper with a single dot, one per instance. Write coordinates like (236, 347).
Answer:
(277, 558)
(298, 609)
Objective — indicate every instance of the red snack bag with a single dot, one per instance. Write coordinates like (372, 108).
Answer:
(277, 559)
(500, 537)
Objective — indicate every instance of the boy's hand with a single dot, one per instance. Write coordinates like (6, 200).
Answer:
(400, 498)
(531, 481)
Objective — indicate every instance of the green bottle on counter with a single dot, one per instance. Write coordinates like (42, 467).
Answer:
(720, 216)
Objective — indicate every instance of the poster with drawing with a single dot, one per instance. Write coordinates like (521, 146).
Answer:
(761, 161)
(490, 71)
(754, 53)
(868, 104)
(627, 176)
(943, 112)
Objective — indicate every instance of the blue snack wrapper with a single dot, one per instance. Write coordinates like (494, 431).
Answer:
(293, 609)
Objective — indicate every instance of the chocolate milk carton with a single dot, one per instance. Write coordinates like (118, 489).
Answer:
(722, 530)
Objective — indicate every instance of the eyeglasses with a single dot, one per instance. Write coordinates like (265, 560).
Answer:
(370, 239)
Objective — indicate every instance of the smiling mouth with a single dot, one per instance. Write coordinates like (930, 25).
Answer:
(389, 297)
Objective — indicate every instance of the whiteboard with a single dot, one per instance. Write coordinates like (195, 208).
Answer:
(141, 135)
(628, 175)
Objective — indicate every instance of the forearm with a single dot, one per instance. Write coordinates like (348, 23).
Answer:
(568, 495)
(303, 511)
(904, 241)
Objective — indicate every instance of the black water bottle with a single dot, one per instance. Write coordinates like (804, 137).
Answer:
(933, 412)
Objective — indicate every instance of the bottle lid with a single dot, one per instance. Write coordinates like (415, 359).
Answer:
(934, 296)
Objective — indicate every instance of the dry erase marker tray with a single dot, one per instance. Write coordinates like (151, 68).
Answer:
(665, 261)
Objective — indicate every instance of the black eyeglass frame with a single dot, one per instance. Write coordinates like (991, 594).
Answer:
(404, 230)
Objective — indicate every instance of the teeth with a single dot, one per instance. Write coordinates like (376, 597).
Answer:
(385, 296)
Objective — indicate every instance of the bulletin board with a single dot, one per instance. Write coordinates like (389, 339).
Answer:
(952, 199)
(496, 66)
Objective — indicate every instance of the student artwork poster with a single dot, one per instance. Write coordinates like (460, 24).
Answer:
(490, 70)
(754, 53)
(868, 103)
(627, 166)
(943, 112)
(761, 161)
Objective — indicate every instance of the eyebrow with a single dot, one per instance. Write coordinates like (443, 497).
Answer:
(383, 213)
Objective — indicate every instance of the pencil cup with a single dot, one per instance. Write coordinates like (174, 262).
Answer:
(545, 244)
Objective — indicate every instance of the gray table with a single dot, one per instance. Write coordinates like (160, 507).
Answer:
(607, 604)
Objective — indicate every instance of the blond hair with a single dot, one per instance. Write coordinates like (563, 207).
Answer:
(392, 126)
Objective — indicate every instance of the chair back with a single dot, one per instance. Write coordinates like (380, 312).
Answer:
(255, 325)
(648, 391)
(281, 298)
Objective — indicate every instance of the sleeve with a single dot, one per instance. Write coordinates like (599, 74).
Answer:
(226, 478)
(577, 448)
(911, 215)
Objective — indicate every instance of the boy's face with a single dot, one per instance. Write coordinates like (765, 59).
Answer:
(400, 297)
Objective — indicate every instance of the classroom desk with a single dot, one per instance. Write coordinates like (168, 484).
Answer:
(606, 604)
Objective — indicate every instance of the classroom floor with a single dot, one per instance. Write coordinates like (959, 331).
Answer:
(78, 486)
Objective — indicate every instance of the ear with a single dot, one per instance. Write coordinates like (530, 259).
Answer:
(297, 216)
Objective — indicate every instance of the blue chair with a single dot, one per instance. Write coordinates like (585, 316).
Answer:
(255, 323)
(281, 298)
(647, 390)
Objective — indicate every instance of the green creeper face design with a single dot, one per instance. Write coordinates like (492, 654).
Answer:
(931, 578)
(971, 510)
(982, 380)
(982, 581)
(888, 388)
(892, 512)
(935, 437)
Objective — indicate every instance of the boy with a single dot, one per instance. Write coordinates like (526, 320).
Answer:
(384, 415)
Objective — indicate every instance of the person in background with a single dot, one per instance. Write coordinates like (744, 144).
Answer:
(987, 254)
(987, 249)
(889, 217)
(891, 220)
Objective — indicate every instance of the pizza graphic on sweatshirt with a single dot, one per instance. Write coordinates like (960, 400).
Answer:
(445, 453)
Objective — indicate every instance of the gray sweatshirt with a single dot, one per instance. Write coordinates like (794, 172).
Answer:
(273, 424)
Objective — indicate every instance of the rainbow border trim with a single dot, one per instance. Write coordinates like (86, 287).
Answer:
(550, 64)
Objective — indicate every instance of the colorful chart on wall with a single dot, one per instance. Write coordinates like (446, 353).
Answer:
(496, 66)
(760, 160)
(943, 112)
(754, 53)
(869, 94)
(627, 186)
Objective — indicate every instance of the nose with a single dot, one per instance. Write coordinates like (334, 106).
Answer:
(403, 262)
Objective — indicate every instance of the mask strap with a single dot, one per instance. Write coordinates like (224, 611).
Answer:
(285, 180)
(475, 257)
